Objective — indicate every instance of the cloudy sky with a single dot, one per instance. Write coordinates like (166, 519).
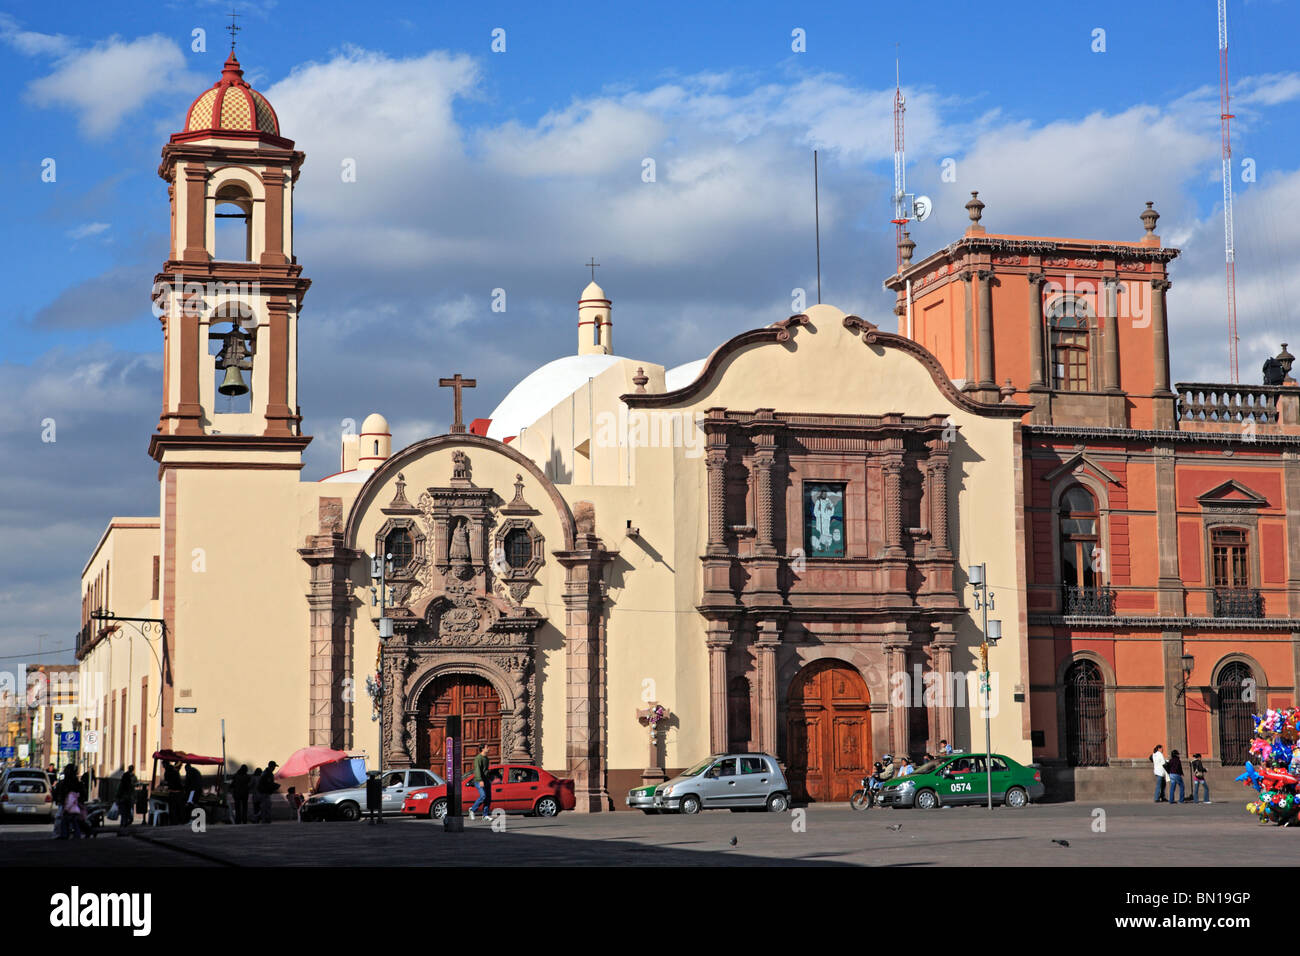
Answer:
(478, 170)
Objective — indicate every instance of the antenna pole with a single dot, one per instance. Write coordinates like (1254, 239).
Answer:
(902, 214)
(1230, 255)
(817, 227)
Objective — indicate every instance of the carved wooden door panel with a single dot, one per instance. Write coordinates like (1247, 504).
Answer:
(828, 732)
(475, 701)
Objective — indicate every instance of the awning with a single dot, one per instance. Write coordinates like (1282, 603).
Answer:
(179, 756)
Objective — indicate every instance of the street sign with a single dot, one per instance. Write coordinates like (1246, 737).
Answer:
(24, 751)
(187, 710)
(8, 753)
(70, 740)
(92, 742)
(58, 715)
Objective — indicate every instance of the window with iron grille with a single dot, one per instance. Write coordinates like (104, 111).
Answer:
(399, 545)
(519, 548)
(1085, 715)
(1236, 707)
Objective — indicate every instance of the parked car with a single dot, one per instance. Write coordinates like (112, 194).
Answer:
(26, 796)
(520, 788)
(726, 781)
(36, 772)
(350, 803)
(642, 798)
(964, 778)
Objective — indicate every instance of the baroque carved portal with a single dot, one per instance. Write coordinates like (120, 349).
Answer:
(457, 608)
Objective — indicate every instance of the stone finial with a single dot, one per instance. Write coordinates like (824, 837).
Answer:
(1149, 217)
(975, 207)
(906, 247)
(1007, 391)
(1286, 358)
(640, 379)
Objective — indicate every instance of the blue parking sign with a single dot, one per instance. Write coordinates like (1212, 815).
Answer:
(8, 753)
(70, 740)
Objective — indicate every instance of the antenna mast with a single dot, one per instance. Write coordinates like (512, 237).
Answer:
(1230, 256)
(902, 210)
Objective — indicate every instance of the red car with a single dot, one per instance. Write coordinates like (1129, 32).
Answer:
(518, 789)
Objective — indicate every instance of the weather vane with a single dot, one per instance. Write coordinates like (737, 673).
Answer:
(233, 29)
(592, 264)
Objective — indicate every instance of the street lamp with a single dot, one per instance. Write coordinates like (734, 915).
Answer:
(1189, 662)
(992, 633)
(379, 571)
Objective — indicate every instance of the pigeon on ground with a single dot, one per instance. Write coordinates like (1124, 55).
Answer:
(734, 841)
(895, 826)
(1062, 842)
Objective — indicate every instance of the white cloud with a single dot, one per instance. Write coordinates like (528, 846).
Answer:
(113, 79)
(88, 229)
(31, 43)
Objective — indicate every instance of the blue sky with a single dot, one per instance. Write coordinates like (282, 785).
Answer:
(479, 170)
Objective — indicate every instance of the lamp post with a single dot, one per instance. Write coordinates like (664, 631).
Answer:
(992, 633)
(379, 571)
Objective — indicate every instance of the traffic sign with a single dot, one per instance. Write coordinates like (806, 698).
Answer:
(70, 740)
(24, 751)
(8, 753)
(92, 742)
(186, 710)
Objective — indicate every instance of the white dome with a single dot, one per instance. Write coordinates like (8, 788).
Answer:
(592, 291)
(375, 424)
(543, 389)
(681, 375)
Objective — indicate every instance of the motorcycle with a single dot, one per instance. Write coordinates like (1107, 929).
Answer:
(865, 798)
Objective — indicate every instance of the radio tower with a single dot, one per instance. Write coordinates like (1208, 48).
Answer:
(901, 211)
(1229, 252)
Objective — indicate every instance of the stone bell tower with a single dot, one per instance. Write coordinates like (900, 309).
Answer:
(231, 290)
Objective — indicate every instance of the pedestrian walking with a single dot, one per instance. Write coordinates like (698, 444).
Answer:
(1198, 780)
(1158, 766)
(374, 798)
(266, 787)
(1175, 770)
(68, 797)
(295, 801)
(240, 785)
(481, 783)
(126, 797)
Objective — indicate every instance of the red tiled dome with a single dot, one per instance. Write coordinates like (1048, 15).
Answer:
(231, 105)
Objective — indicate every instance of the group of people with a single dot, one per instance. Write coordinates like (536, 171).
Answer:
(885, 769)
(1169, 773)
(71, 819)
(261, 786)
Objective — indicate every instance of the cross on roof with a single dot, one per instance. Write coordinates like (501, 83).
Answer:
(233, 29)
(457, 383)
(592, 265)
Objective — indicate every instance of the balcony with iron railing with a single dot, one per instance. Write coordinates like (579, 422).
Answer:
(1088, 602)
(1238, 602)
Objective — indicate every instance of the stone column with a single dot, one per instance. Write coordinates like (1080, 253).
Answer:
(715, 463)
(718, 639)
(764, 463)
(967, 277)
(330, 637)
(274, 182)
(1170, 598)
(896, 660)
(941, 646)
(769, 639)
(939, 499)
(1163, 403)
(893, 472)
(1110, 337)
(280, 418)
(1037, 365)
(1175, 707)
(988, 375)
(196, 213)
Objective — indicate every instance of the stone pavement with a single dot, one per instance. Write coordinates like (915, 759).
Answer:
(1136, 834)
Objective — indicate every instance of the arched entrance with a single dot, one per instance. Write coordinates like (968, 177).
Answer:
(1085, 714)
(828, 731)
(476, 702)
(1236, 694)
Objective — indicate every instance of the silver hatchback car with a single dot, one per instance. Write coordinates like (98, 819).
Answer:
(27, 796)
(726, 781)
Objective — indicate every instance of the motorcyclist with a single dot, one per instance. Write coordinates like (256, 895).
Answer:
(888, 770)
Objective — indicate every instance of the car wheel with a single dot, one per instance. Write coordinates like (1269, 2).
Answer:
(690, 804)
(926, 800)
(349, 811)
(1016, 798)
(777, 803)
(438, 809)
(547, 807)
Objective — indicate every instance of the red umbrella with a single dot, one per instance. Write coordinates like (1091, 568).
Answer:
(308, 758)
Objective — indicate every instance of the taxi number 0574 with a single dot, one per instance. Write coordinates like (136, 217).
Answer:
(961, 787)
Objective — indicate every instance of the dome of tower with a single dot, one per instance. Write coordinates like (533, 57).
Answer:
(231, 106)
(592, 292)
(375, 424)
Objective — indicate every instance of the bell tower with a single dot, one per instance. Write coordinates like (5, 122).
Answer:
(231, 289)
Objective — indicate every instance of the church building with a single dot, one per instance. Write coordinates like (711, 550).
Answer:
(771, 543)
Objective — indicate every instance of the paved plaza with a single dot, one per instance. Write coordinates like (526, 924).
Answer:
(1135, 834)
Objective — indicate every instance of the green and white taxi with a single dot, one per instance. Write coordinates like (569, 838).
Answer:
(964, 778)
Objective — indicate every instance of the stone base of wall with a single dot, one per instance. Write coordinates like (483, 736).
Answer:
(1086, 784)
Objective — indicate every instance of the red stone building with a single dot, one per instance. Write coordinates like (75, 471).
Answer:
(1161, 524)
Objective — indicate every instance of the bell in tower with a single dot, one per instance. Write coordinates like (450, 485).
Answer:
(235, 357)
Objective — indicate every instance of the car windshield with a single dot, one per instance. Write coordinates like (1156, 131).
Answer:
(927, 767)
(699, 768)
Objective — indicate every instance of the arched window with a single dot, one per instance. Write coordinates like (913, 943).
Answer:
(1236, 693)
(233, 225)
(518, 548)
(399, 545)
(1085, 715)
(1068, 322)
(1077, 523)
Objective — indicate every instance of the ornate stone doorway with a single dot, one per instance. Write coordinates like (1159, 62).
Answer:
(476, 702)
(828, 738)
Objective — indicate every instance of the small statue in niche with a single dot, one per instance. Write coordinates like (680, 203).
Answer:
(460, 466)
(459, 554)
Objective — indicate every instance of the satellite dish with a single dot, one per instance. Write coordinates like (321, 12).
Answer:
(922, 207)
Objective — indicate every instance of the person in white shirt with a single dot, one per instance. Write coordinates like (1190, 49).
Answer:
(1158, 766)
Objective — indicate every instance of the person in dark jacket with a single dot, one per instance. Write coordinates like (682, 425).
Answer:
(69, 784)
(1175, 770)
(125, 798)
(266, 786)
(193, 785)
(374, 797)
(1198, 779)
(239, 787)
